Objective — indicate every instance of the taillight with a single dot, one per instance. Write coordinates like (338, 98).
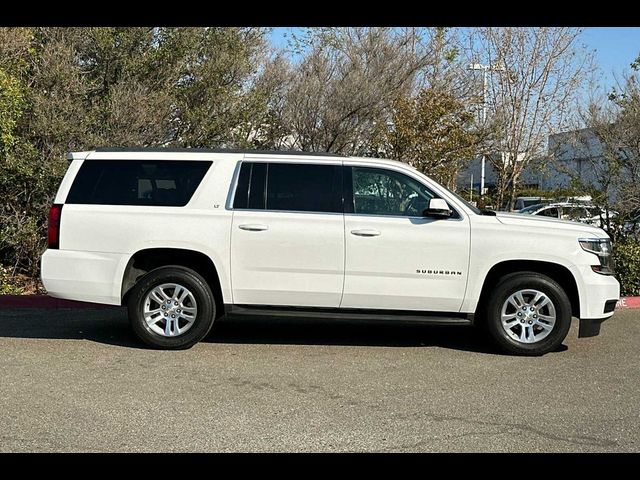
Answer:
(54, 226)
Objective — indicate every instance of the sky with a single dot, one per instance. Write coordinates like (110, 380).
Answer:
(615, 48)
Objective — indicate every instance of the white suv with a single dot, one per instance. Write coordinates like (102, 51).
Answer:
(183, 237)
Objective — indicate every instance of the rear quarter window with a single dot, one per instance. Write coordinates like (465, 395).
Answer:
(137, 182)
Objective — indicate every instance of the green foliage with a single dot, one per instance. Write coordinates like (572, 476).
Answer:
(69, 89)
(7, 287)
(11, 105)
(626, 254)
(434, 131)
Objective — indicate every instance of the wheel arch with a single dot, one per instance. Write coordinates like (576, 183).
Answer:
(555, 271)
(144, 261)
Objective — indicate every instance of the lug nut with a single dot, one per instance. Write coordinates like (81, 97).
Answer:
(519, 313)
(173, 316)
(522, 321)
(176, 303)
(165, 314)
(535, 316)
(532, 309)
(530, 322)
(179, 310)
(164, 307)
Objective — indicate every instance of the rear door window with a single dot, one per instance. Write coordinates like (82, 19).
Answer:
(289, 187)
(137, 182)
(304, 188)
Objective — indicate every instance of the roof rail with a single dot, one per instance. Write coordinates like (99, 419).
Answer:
(216, 150)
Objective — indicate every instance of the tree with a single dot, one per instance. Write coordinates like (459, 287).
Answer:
(602, 152)
(434, 131)
(345, 81)
(539, 75)
(66, 89)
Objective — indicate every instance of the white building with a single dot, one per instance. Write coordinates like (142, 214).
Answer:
(574, 154)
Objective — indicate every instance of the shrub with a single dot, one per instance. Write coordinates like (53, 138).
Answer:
(626, 254)
(7, 286)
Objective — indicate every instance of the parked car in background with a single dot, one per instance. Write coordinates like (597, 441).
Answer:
(579, 199)
(577, 212)
(524, 202)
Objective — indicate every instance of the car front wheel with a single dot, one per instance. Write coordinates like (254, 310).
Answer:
(528, 313)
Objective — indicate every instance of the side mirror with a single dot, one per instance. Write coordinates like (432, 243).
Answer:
(438, 208)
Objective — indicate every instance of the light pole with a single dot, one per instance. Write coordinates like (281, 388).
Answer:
(485, 70)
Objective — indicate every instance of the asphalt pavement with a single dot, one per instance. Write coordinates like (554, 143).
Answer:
(78, 381)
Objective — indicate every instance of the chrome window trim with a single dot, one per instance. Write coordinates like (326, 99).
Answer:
(254, 210)
(351, 164)
(405, 216)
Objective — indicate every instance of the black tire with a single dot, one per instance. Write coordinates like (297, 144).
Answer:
(206, 307)
(510, 284)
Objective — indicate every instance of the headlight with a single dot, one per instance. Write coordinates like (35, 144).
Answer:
(602, 248)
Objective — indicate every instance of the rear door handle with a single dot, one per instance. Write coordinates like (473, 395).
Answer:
(365, 232)
(253, 227)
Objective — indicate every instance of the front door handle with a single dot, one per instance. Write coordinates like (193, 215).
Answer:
(253, 227)
(365, 232)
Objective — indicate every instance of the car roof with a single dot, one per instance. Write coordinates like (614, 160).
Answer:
(122, 153)
(214, 150)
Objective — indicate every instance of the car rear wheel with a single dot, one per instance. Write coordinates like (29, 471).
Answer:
(171, 308)
(528, 313)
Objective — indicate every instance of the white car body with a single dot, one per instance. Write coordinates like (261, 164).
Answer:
(315, 260)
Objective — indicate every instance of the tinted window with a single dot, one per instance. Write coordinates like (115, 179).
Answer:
(242, 189)
(137, 182)
(257, 185)
(304, 188)
(251, 184)
(385, 192)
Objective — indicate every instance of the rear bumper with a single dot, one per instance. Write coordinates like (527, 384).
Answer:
(84, 276)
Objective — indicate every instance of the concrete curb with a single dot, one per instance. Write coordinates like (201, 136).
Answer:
(628, 302)
(44, 301)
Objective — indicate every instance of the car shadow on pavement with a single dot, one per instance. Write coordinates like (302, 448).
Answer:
(111, 327)
(107, 326)
(374, 333)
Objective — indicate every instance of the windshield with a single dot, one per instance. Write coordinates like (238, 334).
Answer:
(530, 210)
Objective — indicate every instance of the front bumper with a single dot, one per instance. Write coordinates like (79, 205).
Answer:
(598, 294)
(594, 291)
(590, 327)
